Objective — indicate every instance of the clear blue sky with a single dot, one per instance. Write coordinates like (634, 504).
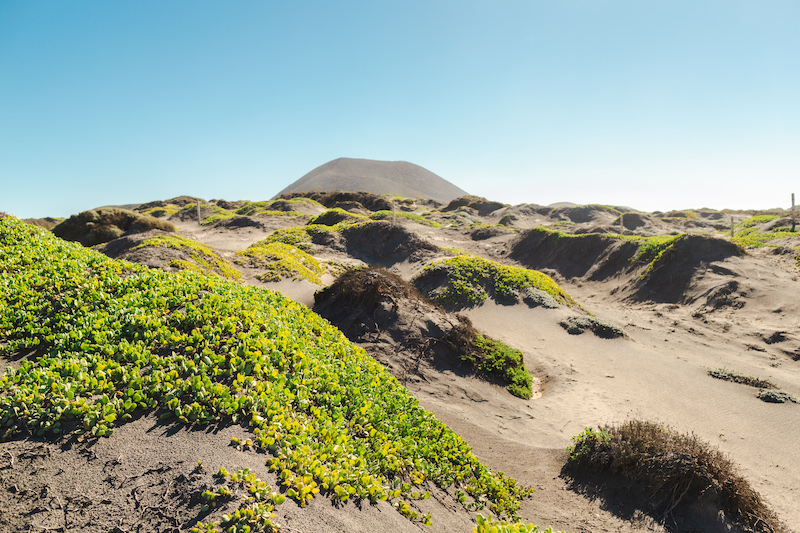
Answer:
(651, 104)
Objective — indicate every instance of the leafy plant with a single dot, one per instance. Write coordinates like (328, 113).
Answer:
(499, 359)
(282, 261)
(468, 280)
(206, 260)
(118, 340)
(490, 525)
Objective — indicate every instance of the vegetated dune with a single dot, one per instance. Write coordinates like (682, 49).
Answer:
(105, 224)
(412, 337)
(379, 177)
(666, 301)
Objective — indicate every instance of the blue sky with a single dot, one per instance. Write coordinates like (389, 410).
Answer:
(652, 104)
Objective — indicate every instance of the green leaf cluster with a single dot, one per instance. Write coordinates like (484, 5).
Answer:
(470, 279)
(499, 359)
(282, 261)
(116, 340)
(206, 260)
(490, 525)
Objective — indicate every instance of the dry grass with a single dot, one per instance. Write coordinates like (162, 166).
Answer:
(674, 469)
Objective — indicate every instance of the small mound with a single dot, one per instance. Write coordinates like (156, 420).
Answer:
(575, 325)
(677, 478)
(669, 275)
(330, 199)
(385, 244)
(281, 261)
(580, 214)
(466, 281)
(331, 217)
(403, 330)
(594, 256)
(169, 252)
(102, 225)
(481, 205)
(482, 233)
(241, 222)
(632, 221)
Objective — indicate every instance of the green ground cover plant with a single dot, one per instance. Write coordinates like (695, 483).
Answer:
(302, 236)
(753, 238)
(671, 468)
(205, 260)
(282, 261)
(755, 220)
(651, 248)
(499, 359)
(470, 279)
(490, 525)
(115, 340)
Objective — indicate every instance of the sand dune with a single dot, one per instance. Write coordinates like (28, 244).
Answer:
(699, 302)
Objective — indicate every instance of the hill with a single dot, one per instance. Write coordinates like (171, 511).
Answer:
(379, 177)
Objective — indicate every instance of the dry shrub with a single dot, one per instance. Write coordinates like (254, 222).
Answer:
(676, 470)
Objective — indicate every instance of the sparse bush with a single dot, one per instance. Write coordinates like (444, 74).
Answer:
(736, 377)
(508, 219)
(575, 325)
(673, 469)
(776, 396)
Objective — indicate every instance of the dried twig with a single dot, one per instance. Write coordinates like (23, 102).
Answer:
(11, 464)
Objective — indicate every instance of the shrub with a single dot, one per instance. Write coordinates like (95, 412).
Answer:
(776, 396)
(736, 377)
(671, 468)
(575, 325)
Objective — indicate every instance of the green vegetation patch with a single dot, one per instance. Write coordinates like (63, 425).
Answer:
(671, 468)
(118, 340)
(206, 260)
(751, 237)
(490, 525)
(470, 279)
(334, 216)
(282, 261)
(303, 236)
(755, 221)
(499, 359)
(419, 219)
